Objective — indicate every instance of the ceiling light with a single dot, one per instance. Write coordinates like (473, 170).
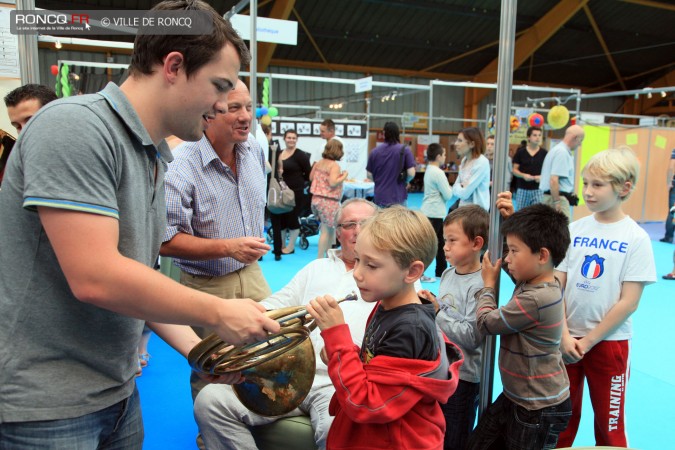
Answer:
(637, 96)
(663, 94)
(649, 94)
(57, 45)
(541, 104)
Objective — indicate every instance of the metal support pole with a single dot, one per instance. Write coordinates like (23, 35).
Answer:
(253, 88)
(507, 34)
(28, 50)
(431, 108)
(368, 100)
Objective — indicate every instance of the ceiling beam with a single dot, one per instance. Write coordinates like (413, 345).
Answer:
(393, 40)
(470, 52)
(280, 10)
(310, 37)
(608, 54)
(535, 37)
(531, 40)
(631, 77)
(651, 4)
(367, 69)
(660, 110)
(646, 104)
(665, 81)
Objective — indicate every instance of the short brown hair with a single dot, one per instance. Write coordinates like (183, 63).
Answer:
(474, 220)
(290, 131)
(333, 150)
(197, 50)
(41, 93)
(329, 124)
(405, 234)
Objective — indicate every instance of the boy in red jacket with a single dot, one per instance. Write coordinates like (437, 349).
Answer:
(388, 391)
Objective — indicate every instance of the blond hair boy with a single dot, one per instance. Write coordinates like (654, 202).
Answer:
(388, 391)
(608, 264)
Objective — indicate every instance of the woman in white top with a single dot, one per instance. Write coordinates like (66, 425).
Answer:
(473, 180)
(437, 192)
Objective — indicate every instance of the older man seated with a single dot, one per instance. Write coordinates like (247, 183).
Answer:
(223, 420)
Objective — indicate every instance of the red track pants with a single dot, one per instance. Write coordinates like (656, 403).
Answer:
(606, 369)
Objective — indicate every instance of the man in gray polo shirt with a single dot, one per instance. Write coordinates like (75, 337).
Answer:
(82, 216)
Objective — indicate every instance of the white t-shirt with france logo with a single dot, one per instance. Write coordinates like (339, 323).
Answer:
(600, 258)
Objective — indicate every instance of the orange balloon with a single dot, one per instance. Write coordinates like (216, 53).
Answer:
(515, 124)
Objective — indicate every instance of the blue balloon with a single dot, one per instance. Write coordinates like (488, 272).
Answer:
(263, 111)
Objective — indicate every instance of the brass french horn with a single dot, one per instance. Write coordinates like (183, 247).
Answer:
(278, 371)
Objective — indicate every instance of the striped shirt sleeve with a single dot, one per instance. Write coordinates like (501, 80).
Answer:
(520, 313)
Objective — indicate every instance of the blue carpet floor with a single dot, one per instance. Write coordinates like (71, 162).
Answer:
(167, 406)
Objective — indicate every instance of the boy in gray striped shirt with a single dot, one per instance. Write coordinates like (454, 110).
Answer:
(535, 406)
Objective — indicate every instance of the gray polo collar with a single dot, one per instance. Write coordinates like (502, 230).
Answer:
(120, 104)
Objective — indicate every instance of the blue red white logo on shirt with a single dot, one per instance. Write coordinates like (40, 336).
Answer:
(593, 267)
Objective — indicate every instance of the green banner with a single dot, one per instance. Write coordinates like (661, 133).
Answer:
(596, 140)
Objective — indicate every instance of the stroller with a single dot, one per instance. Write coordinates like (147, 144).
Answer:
(309, 226)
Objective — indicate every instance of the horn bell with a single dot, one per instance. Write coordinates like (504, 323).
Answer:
(278, 371)
(279, 385)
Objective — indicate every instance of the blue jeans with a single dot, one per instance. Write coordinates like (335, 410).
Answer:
(460, 415)
(507, 426)
(670, 227)
(119, 426)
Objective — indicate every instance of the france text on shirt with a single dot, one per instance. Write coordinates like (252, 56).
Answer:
(613, 245)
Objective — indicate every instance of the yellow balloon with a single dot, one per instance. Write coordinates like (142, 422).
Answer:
(558, 117)
(266, 120)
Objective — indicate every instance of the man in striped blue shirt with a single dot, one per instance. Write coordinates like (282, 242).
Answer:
(215, 198)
